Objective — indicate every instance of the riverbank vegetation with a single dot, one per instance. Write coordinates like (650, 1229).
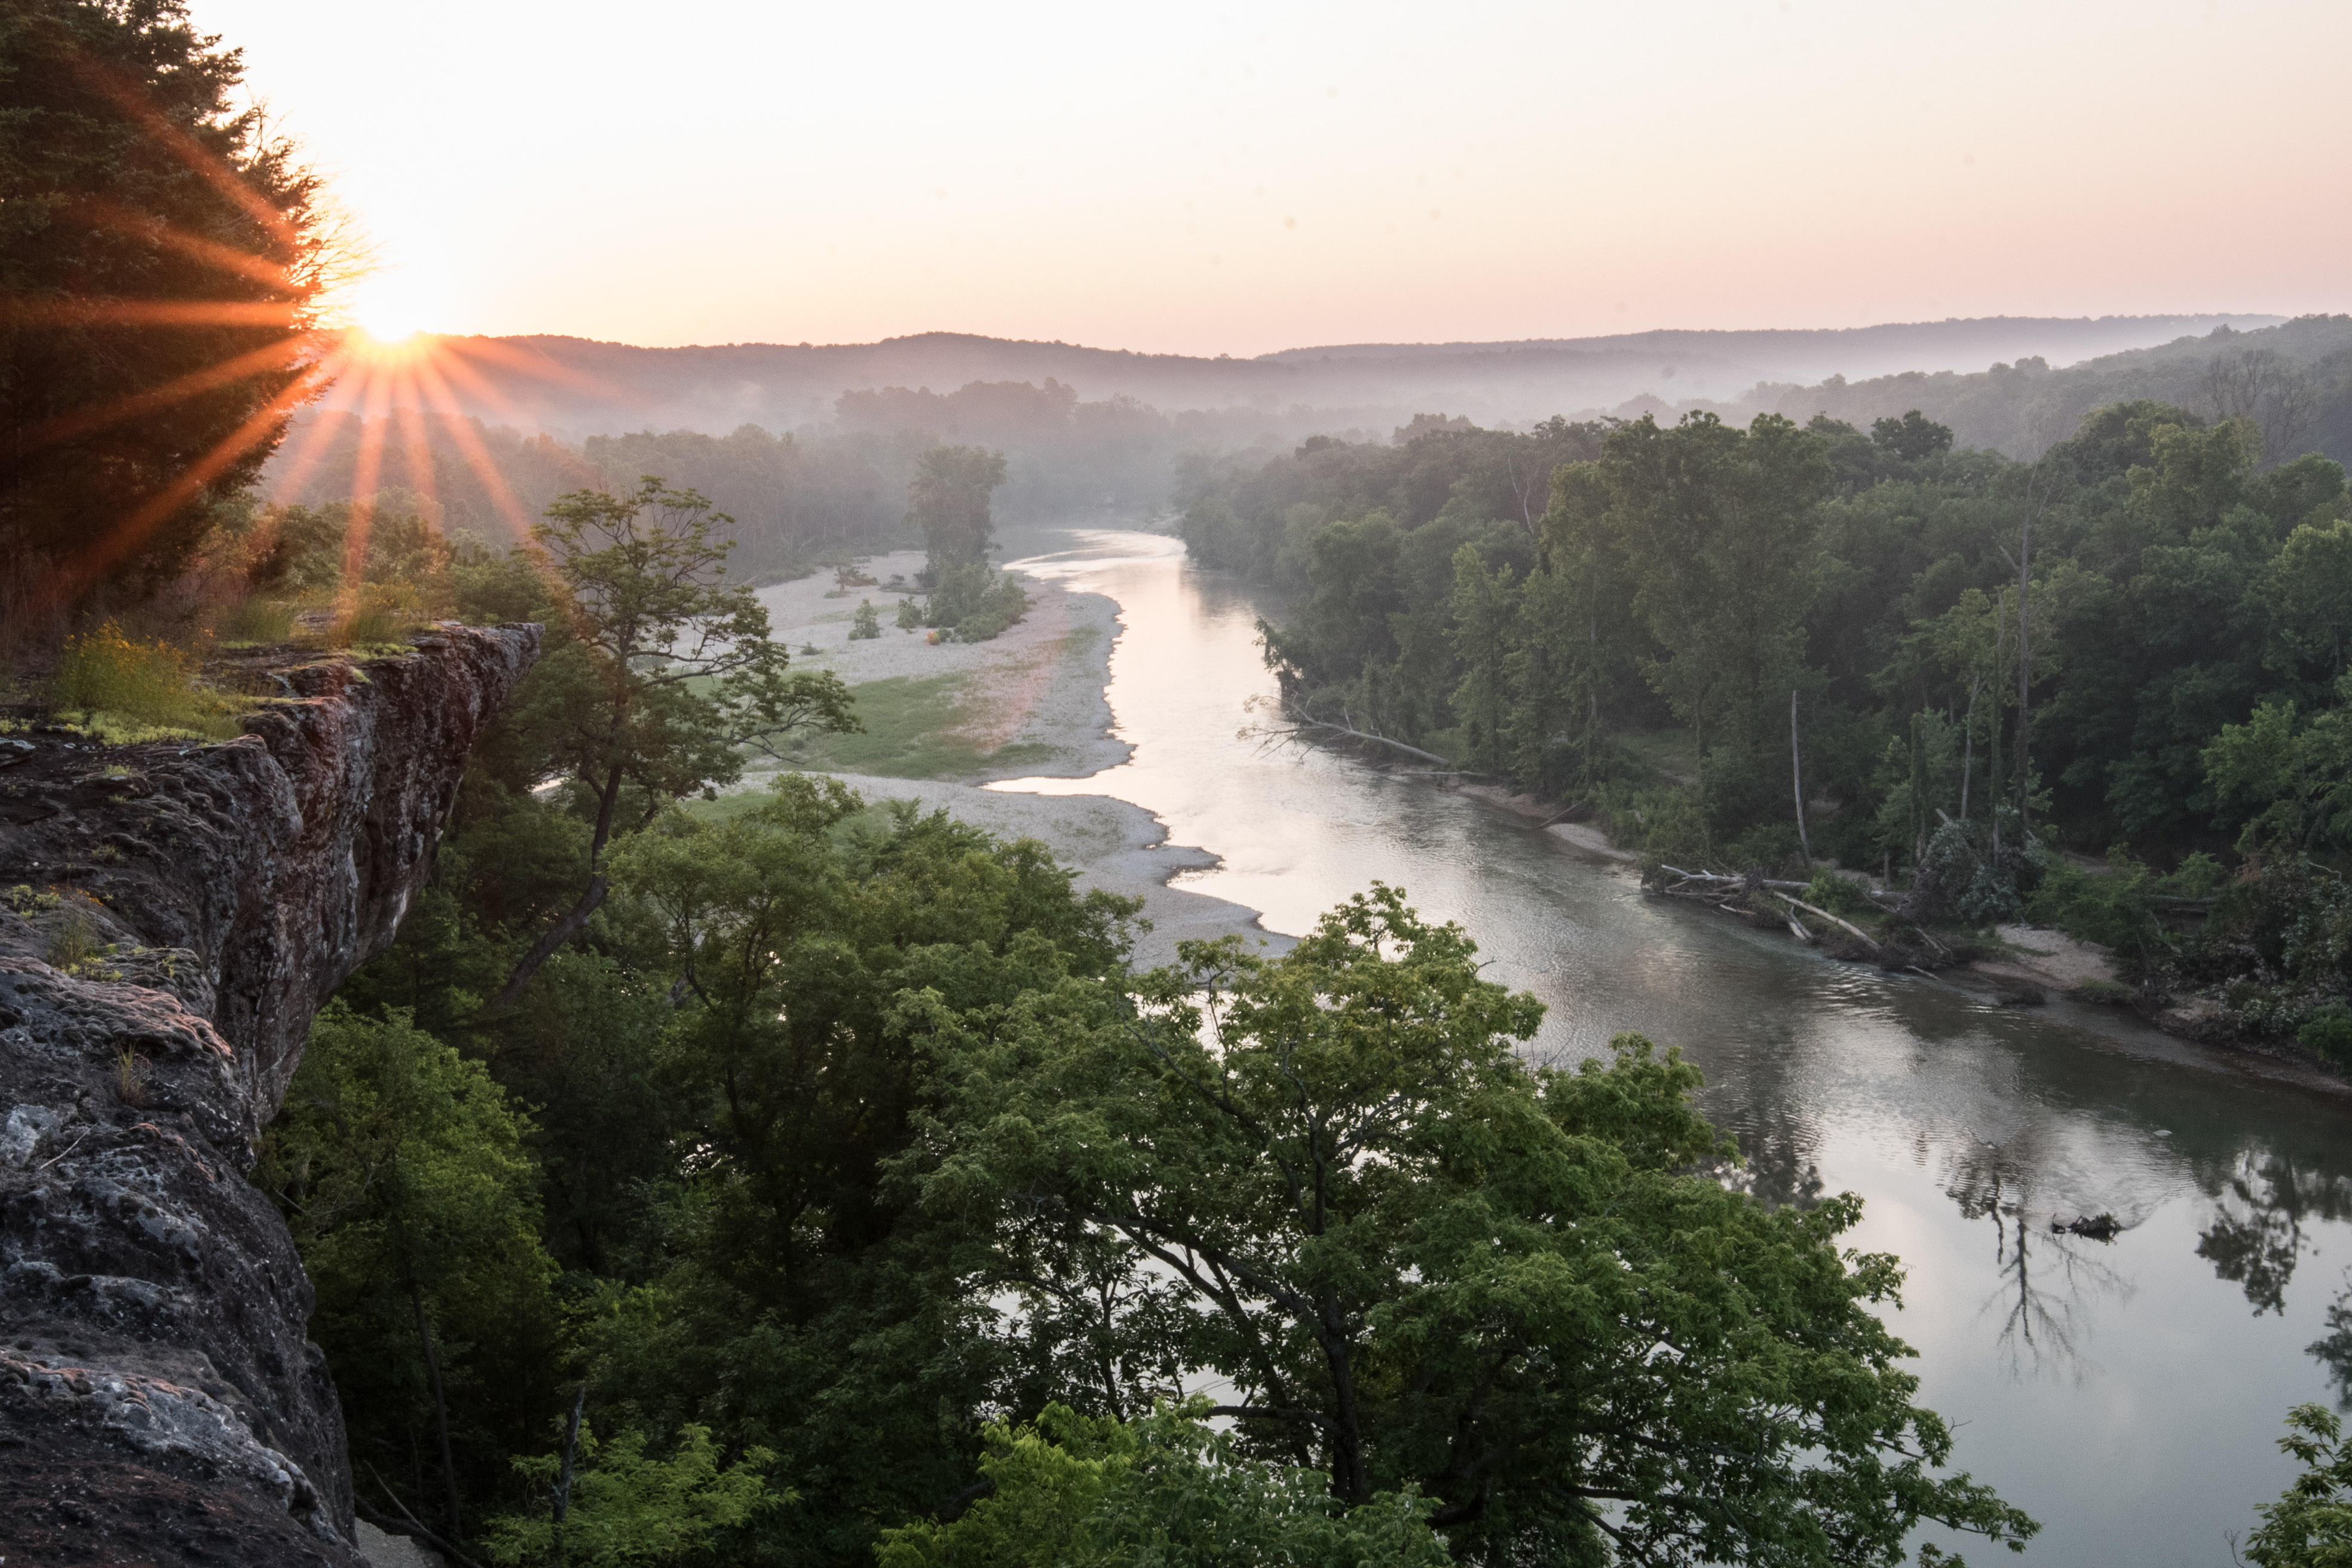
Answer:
(832, 1168)
(2103, 688)
(948, 501)
(846, 1150)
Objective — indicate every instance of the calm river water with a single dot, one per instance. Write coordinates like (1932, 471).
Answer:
(2126, 1394)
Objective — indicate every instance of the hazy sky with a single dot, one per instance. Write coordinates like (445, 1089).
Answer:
(1212, 179)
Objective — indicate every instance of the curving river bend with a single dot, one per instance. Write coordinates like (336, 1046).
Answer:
(2126, 1394)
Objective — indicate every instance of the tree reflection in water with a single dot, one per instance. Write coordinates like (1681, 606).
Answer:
(2256, 1239)
(2048, 1278)
(1778, 1166)
(2334, 1352)
(2256, 1235)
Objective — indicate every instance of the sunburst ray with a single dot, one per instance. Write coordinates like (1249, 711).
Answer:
(127, 535)
(476, 455)
(88, 421)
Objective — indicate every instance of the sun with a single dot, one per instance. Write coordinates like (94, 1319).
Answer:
(388, 327)
(390, 309)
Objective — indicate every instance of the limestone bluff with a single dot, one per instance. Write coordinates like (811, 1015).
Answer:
(158, 1401)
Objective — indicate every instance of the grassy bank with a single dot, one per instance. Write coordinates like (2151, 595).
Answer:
(912, 732)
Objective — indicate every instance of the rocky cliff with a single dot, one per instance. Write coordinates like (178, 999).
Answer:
(171, 917)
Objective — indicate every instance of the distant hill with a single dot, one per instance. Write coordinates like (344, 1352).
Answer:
(1814, 353)
(1097, 432)
(2294, 380)
(577, 387)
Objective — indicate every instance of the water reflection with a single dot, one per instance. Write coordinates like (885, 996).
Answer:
(1778, 1166)
(2047, 1277)
(2121, 1392)
(2257, 1232)
(2335, 1351)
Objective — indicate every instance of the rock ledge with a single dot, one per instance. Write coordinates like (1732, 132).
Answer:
(171, 917)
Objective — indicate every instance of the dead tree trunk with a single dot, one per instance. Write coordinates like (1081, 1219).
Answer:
(563, 1479)
(1797, 769)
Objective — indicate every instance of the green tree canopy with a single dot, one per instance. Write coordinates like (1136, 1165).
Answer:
(1720, 525)
(947, 500)
(1070, 1491)
(797, 1301)
(627, 1509)
(2310, 1526)
(402, 1170)
(1911, 437)
(1418, 1263)
(660, 675)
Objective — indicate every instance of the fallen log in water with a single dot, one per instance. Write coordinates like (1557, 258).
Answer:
(1867, 940)
(1447, 764)
(1710, 888)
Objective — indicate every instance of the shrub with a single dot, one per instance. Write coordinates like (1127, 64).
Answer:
(867, 624)
(130, 690)
(71, 945)
(1659, 821)
(1767, 846)
(910, 615)
(130, 1072)
(1966, 878)
(258, 622)
(1006, 603)
(631, 1507)
(974, 604)
(1837, 894)
(108, 669)
(2200, 877)
(382, 613)
(2114, 909)
(2327, 1035)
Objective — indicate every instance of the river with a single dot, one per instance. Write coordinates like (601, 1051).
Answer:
(2127, 1395)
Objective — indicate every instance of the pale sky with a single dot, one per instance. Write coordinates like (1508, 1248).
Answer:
(1207, 178)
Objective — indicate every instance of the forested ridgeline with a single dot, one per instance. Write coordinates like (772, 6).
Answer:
(2138, 643)
(2294, 380)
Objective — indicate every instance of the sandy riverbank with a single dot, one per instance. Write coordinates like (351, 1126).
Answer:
(1582, 836)
(1110, 844)
(1028, 704)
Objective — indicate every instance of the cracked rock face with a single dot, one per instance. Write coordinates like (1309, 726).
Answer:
(171, 917)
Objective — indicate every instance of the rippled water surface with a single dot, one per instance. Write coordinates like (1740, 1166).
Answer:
(2126, 1394)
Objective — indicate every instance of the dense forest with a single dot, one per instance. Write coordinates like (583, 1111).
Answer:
(2294, 381)
(577, 386)
(831, 1166)
(823, 490)
(1790, 644)
(765, 1177)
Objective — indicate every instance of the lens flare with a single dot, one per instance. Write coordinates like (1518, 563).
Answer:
(389, 310)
